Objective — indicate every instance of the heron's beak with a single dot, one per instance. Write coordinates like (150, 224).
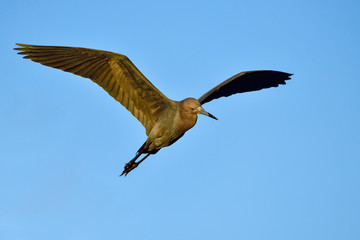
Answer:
(200, 110)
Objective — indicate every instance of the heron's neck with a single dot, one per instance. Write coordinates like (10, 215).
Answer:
(186, 119)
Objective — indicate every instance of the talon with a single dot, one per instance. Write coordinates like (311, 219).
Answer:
(132, 164)
(129, 167)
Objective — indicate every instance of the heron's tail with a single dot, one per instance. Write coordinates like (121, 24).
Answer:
(144, 149)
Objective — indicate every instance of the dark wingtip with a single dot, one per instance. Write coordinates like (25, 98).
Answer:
(21, 47)
(286, 77)
(289, 75)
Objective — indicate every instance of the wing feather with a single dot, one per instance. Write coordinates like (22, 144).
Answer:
(246, 82)
(115, 73)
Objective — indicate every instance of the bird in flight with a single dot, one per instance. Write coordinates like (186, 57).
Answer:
(165, 120)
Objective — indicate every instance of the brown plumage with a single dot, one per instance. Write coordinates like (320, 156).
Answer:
(165, 120)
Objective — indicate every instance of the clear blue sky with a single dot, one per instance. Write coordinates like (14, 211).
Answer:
(282, 163)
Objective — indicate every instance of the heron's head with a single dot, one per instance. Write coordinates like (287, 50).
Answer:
(193, 105)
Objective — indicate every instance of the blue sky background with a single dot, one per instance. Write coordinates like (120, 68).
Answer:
(281, 163)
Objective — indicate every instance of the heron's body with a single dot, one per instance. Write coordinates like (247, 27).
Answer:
(165, 131)
(165, 120)
(172, 125)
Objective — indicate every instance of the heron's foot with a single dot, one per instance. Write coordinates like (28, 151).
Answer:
(129, 167)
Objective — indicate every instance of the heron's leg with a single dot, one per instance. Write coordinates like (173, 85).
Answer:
(132, 164)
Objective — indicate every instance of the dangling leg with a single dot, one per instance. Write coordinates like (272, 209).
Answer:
(132, 164)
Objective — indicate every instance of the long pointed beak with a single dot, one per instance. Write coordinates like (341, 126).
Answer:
(200, 110)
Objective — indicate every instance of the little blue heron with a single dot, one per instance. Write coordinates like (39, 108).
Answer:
(165, 120)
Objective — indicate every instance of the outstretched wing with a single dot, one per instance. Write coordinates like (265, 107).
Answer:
(115, 73)
(246, 82)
